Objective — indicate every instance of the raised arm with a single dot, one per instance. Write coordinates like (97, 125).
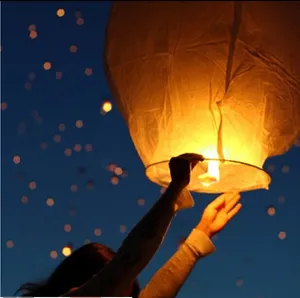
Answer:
(167, 282)
(143, 241)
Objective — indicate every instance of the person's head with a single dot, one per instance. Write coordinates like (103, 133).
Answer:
(73, 272)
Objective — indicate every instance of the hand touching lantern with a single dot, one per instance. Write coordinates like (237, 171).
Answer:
(181, 166)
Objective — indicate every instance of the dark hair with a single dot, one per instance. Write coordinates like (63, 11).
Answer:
(73, 272)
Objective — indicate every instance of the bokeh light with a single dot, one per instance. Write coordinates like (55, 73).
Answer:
(282, 235)
(88, 72)
(271, 211)
(47, 65)
(10, 244)
(32, 185)
(111, 167)
(77, 148)
(33, 34)
(16, 159)
(67, 228)
(74, 188)
(61, 127)
(88, 147)
(97, 232)
(57, 138)
(60, 12)
(141, 202)
(32, 27)
(118, 171)
(271, 168)
(66, 251)
(53, 254)
(80, 21)
(58, 75)
(123, 229)
(79, 124)
(281, 200)
(28, 85)
(106, 107)
(68, 152)
(77, 14)
(3, 106)
(24, 199)
(73, 49)
(285, 169)
(50, 202)
(114, 180)
(90, 184)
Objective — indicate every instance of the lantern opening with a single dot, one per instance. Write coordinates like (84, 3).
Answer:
(215, 176)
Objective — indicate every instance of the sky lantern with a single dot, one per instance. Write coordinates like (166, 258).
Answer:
(219, 79)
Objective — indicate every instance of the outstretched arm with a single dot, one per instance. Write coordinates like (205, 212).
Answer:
(143, 241)
(167, 282)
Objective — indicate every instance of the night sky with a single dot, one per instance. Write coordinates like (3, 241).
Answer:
(70, 169)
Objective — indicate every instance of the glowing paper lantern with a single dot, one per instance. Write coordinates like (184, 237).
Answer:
(216, 78)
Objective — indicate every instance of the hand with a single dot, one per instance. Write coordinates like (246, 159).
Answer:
(218, 213)
(181, 166)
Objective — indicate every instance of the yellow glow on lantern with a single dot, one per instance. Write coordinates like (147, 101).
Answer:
(212, 175)
(213, 171)
(192, 94)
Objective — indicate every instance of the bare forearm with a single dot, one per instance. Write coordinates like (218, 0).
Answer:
(146, 237)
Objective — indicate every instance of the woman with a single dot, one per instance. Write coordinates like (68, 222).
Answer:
(95, 270)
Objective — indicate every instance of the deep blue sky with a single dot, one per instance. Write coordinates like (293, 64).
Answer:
(249, 249)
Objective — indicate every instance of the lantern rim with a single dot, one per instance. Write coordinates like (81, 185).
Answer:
(264, 176)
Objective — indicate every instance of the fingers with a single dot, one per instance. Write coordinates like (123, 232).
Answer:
(218, 202)
(231, 201)
(234, 211)
(191, 157)
(233, 198)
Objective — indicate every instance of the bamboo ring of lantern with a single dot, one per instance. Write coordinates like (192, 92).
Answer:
(215, 78)
(207, 176)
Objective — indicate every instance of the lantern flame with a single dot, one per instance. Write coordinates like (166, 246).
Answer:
(212, 175)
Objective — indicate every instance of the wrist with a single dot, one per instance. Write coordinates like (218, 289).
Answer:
(176, 187)
(171, 194)
(204, 229)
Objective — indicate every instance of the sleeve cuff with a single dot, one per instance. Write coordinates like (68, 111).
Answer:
(200, 243)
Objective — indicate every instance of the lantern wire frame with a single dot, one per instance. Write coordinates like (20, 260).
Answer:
(235, 176)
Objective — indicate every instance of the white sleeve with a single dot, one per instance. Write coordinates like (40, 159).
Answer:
(168, 280)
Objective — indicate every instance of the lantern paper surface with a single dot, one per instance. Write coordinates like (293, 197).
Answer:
(219, 79)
